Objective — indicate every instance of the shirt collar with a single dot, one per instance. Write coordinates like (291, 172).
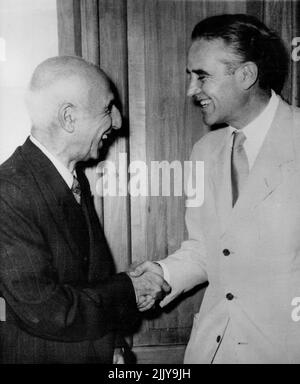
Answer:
(61, 168)
(261, 124)
(258, 128)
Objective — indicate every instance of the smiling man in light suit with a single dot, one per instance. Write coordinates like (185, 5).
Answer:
(244, 240)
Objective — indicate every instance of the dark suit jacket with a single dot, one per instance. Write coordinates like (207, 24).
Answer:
(63, 303)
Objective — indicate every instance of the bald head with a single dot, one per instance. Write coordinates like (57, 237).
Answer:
(72, 108)
(63, 67)
(60, 80)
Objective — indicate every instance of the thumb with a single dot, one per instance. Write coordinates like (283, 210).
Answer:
(138, 271)
(166, 287)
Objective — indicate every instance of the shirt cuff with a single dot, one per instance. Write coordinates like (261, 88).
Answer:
(166, 273)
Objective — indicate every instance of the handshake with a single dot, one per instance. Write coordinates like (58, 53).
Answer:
(149, 284)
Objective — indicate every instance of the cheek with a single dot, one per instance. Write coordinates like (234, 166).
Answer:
(225, 96)
(214, 90)
(103, 124)
(101, 128)
(97, 129)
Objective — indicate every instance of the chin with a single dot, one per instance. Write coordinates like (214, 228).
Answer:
(210, 121)
(213, 120)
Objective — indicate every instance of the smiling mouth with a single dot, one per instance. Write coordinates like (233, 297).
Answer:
(205, 103)
(201, 102)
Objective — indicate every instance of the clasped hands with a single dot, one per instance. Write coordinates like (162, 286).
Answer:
(149, 284)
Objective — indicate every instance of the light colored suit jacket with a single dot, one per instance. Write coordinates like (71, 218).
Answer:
(251, 251)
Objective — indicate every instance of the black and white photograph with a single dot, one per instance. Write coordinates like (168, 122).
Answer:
(149, 184)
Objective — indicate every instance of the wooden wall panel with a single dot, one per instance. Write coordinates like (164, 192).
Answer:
(274, 14)
(113, 60)
(90, 31)
(69, 27)
(137, 121)
(256, 8)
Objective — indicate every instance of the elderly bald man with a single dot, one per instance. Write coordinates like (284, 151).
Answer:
(61, 302)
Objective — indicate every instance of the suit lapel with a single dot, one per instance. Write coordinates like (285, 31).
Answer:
(65, 211)
(276, 157)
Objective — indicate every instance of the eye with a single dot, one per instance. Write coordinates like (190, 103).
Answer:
(109, 107)
(202, 78)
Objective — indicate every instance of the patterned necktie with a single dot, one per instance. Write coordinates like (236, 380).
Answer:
(76, 190)
(239, 165)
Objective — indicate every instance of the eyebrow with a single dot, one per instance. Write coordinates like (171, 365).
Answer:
(198, 72)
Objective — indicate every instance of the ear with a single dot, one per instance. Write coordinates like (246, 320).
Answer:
(247, 74)
(66, 117)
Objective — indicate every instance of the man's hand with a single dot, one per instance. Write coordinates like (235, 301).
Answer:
(148, 282)
(146, 266)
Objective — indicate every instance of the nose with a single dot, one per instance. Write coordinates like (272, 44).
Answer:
(194, 87)
(116, 119)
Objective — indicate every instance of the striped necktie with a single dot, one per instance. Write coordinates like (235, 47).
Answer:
(239, 165)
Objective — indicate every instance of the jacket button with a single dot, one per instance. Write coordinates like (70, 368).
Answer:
(218, 338)
(229, 296)
(226, 252)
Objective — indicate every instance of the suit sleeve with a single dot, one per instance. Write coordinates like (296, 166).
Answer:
(187, 267)
(35, 298)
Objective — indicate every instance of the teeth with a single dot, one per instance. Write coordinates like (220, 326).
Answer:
(204, 103)
(104, 137)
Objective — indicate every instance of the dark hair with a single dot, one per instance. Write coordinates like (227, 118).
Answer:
(252, 41)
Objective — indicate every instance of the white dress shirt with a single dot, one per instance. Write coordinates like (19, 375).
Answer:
(255, 133)
(257, 130)
(61, 168)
